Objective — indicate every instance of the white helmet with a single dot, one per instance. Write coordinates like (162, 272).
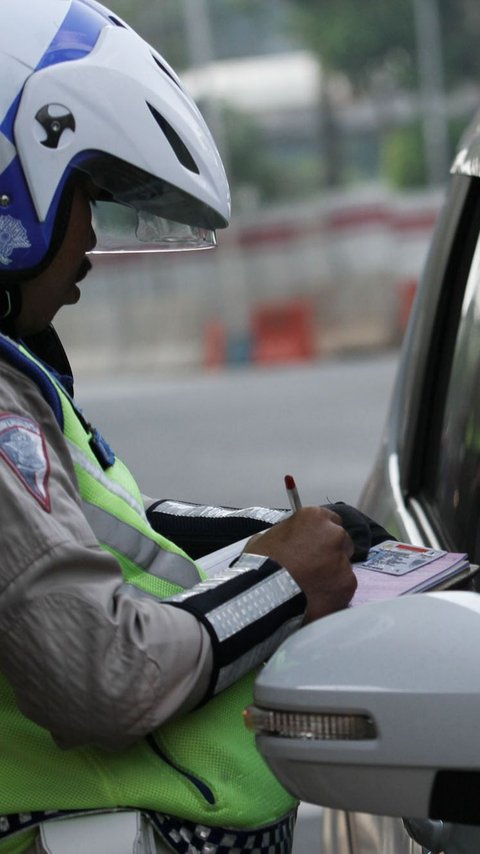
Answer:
(82, 91)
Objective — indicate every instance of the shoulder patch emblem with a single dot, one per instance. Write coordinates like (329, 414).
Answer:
(12, 236)
(23, 448)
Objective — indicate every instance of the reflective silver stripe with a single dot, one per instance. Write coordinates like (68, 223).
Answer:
(247, 607)
(207, 584)
(231, 617)
(126, 539)
(249, 560)
(96, 472)
(181, 508)
(250, 660)
(147, 554)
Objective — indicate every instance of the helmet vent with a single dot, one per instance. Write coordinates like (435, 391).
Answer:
(164, 69)
(117, 22)
(178, 146)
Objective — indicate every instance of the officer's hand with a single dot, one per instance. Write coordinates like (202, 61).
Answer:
(314, 547)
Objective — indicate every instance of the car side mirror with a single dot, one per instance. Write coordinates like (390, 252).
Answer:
(376, 709)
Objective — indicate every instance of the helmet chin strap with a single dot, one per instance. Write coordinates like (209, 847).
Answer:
(10, 307)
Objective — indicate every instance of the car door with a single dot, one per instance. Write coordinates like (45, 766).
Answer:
(425, 486)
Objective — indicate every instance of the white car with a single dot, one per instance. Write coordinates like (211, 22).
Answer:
(374, 712)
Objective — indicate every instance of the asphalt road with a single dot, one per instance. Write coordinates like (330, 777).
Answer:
(231, 437)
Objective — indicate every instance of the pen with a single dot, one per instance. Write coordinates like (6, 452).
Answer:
(292, 493)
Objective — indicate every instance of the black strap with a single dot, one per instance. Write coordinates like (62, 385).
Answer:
(185, 837)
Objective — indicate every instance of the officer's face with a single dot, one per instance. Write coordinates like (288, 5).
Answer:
(57, 286)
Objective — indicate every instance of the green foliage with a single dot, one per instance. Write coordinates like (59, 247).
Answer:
(372, 42)
(160, 23)
(252, 164)
(402, 159)
(360, 38)
(357, 38)
(238, 27)
(247, 161)
(460, 24)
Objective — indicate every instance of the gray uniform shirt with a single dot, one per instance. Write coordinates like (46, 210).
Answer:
(87, 658)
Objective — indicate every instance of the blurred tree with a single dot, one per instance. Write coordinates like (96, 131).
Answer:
(386, 47)
(403, 160)
(161, 24)
(251, 167)
(256, 175)
(250, 27)
(460, 21)
(372, 43)
(357, 39)
(238, 27)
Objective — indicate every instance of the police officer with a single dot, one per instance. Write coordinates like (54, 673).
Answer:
(124, 670)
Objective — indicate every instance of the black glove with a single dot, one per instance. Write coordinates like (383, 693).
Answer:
(365, 532)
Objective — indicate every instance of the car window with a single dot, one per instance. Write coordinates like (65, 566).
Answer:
(451, 485)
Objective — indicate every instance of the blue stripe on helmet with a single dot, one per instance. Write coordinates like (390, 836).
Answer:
(6, 126)
(76, 37)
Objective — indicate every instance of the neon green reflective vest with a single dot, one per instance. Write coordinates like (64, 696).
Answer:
(211, 772)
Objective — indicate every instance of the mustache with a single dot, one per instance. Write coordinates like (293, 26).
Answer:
(84, 269)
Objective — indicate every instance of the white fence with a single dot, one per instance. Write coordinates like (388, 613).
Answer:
(350, 260)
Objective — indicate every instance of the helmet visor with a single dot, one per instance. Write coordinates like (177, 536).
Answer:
(121, 229)
(135, 211)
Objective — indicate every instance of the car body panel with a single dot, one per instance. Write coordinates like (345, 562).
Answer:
(393, 494)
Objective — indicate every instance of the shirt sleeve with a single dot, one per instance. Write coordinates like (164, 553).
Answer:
(202, 528)
(89, 657)
(248, 611)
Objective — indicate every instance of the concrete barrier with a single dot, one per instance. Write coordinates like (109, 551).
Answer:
(349, 257)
